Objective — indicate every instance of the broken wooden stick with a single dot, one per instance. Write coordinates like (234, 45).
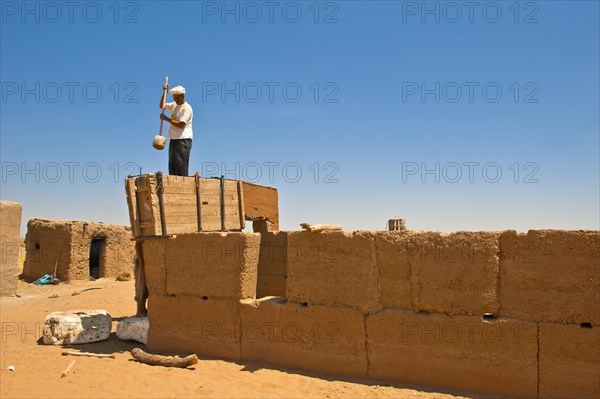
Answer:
(320, 227)
(167, 361)
(110, 355)
(69, 367)
(87, 289)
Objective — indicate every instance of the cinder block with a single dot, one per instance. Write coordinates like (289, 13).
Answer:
(155, 265)
(314, 338)
(457, 352)
(184, 324)
(551, 275)
(394, 269)
(217, 265)
(569, 361)
(10, 242)
(454, 273)
(271, 286)
(333, 268)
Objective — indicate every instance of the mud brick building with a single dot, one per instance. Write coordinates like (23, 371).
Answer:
(78, 249)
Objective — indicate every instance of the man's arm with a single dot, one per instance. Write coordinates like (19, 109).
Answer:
(180, 125)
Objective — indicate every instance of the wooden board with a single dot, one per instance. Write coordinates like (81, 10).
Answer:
(131, 205)
(261, 202)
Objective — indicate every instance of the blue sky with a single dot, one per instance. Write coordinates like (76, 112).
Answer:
(455, 118)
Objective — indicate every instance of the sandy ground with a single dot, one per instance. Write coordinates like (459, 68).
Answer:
(38, 366)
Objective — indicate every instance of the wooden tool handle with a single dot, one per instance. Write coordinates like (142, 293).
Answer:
(163, 110)
(108, 355)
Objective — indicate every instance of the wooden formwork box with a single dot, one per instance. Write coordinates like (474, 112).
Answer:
(184, 199)
(161, 205)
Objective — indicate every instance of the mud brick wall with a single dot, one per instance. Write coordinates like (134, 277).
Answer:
(551, 276)
(10, 243)
(272, 264)
(497, 313)
(195, 282)
(67, 245)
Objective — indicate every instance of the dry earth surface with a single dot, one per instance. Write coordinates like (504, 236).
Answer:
(39, 367)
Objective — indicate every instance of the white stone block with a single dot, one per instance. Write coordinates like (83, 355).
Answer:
(77, 327)
(133, 328)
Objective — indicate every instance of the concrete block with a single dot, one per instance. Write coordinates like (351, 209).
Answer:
(394, 269)
(569, 361)
(10, 243)
(155, 266)
(333, 268)
(217, 265)
(314, 338)
(454, 273)
(551, 275)
(185, 324)
(457, 352)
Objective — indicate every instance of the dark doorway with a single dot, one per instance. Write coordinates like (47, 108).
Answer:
(96, 250)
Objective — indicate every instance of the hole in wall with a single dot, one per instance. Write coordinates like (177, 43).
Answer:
(488, 316)
(96, 250)
(204, 298)
(586, 325)
(304, 304)
(37, 245)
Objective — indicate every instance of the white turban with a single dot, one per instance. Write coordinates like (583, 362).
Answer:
(178, 90)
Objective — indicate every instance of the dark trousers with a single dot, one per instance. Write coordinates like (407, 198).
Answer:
(179, 156)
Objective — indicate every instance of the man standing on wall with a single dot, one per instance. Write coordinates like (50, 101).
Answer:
(180, 129)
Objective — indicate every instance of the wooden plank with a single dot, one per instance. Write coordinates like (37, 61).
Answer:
(146, 204)
(176, 190)
(132, 206)
(261, 202)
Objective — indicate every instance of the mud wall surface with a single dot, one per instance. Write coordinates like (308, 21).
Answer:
(10, 243)
(272, 264)
(491, 312)
(77, 249)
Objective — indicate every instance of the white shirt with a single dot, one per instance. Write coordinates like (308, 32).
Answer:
(180, 113)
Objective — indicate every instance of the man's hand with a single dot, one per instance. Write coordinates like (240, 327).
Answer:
(166, 87)
(180, 125)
